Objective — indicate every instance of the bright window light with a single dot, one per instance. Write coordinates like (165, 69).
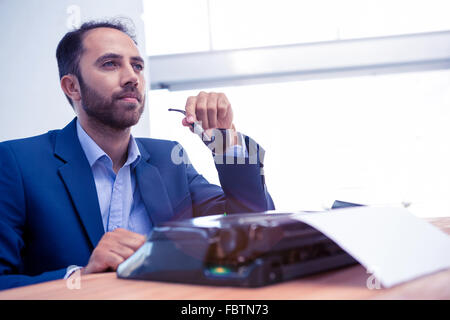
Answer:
(375, 139)
(177, 26)
(379, 140)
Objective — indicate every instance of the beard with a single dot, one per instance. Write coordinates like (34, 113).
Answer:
(110, 111)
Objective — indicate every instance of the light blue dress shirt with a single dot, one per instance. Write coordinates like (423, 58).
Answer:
(120, 200)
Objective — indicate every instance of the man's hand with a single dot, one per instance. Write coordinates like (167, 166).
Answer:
(113, 248)
(212, 110)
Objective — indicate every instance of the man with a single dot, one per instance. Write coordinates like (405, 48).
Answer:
(88, 194)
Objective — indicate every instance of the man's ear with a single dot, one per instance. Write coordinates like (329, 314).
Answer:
(71, 87)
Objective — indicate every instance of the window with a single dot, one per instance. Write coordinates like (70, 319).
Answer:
(180, 26)
(379, 139)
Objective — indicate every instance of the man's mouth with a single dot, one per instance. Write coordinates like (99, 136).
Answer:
(130, 97)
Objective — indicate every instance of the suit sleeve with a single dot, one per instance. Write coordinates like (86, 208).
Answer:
(12, 225)
(242, 188)
(242, 180)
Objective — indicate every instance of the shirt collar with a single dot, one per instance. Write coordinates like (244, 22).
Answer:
(93, 152)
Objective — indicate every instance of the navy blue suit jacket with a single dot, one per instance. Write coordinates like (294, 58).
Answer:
(49, 211)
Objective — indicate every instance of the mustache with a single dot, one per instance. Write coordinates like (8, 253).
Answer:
(130, 92)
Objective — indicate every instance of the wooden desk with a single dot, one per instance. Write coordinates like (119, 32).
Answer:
(346, 283)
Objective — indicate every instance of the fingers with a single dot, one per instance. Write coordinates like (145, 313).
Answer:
(129, 239)
(110, 261)
(190, 111)
(223, 106)
(200, 109)
(212, 110)
(185, 122)
(114, 248)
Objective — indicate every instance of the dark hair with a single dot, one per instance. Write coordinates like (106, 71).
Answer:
(70, 47)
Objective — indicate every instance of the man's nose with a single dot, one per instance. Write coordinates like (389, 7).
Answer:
(129, 77)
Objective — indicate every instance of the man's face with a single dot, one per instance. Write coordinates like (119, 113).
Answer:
(112, 83)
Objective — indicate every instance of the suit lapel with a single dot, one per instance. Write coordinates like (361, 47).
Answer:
(152, 188)
(79, 181)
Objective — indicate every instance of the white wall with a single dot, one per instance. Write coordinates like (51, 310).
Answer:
(31, 100)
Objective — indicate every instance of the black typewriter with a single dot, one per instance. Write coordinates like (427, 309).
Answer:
(244, 250)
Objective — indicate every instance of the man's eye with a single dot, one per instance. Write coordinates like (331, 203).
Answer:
(109, 64)
(139, 66)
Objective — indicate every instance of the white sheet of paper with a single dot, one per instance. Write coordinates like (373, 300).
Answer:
(394, 245)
